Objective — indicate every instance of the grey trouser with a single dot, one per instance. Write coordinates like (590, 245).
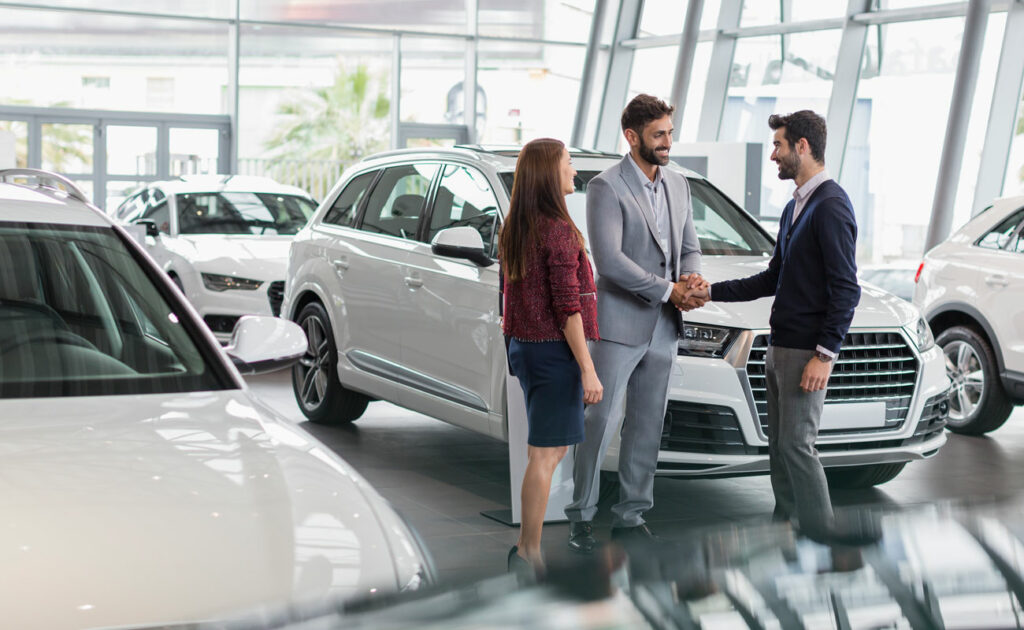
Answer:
(798, 479)
(640, 374)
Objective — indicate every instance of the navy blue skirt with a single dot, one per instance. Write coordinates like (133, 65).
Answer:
(550, 377)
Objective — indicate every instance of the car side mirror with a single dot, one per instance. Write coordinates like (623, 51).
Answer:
(461, 242)
(263, 344)
(151, 228)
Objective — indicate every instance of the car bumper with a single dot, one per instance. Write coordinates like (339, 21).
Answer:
(220, 310)
(724, 436)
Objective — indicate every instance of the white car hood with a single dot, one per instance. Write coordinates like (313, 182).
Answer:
(877, 308)
(257, 257)
(128, 510)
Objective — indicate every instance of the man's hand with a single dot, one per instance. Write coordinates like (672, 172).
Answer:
(816, 374)
(684, 293)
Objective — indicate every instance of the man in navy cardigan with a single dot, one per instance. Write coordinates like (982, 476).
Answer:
(813, 276)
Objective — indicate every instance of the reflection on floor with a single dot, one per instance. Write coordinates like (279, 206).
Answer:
(441, 477)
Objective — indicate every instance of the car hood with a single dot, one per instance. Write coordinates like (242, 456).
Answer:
(133, 510)
(257, 257)
(877, 308)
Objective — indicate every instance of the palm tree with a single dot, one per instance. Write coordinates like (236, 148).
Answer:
(341, 122)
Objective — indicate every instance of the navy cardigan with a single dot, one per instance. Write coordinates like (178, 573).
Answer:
(812, 274)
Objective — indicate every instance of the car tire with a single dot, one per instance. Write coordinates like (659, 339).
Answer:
(855, 477)
(977, 389)
(318, 392)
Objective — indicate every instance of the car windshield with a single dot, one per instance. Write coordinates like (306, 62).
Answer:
(722, 228)
(80, 317)
(242, 213)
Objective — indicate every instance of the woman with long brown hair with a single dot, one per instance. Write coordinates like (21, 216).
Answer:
(550, 313)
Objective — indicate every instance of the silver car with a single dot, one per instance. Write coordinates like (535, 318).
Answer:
(395, 283)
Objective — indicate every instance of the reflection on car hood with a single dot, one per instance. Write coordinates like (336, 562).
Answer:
(126, 510)
(937, 567)
(877, 308)
(256, 257)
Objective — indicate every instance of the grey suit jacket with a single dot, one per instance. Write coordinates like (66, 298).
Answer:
(624, 244)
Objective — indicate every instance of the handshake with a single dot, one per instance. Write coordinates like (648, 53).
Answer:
(692, 291)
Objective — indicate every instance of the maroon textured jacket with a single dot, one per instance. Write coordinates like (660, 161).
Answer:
(558, 283)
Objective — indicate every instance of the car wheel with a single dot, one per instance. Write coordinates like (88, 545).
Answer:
(977, 404)
(321, 397)
(853, 477)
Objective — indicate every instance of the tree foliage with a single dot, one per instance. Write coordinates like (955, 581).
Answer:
(343, 122)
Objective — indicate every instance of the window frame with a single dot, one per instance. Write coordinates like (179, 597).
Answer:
(358, 211)
(428, 216)
(1018, 214)
(428, 198)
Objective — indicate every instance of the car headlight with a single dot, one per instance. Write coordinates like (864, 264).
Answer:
(921, 333)
(217, 282)
(705, 341)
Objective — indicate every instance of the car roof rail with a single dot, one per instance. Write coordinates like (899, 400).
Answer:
(44, 179)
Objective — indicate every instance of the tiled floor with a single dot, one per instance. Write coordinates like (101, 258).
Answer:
(441, 477)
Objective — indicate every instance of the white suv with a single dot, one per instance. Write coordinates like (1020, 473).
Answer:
(394, 282)
(222, 239)
(971, 287)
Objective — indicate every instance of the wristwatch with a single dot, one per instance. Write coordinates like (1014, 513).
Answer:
(824, 358)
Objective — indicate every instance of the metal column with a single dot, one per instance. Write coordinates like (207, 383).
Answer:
(396, 89)
(844, 86)
(469, 83)
(589, 74)
(1003, 114)
(684, 63)
(620, 66)
(234, 56)
(717, 85)
(956, 126)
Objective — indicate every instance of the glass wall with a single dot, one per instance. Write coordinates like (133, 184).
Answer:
(1014, 184)
(530, 91)
(892, 157)
(65, 59)
(311, 102)
(777, 74)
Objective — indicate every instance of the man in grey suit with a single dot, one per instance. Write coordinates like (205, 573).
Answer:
(645, 249)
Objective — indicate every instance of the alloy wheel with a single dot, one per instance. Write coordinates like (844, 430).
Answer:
(964, 368)
(315, 364)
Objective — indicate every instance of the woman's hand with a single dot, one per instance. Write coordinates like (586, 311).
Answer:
(593, 391)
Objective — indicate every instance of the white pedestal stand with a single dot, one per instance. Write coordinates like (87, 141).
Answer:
(561, 481)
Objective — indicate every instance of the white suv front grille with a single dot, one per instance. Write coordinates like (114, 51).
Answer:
(871, 367)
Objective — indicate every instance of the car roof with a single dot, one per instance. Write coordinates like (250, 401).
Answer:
(225, 183)
(503, 157)
(42, 204)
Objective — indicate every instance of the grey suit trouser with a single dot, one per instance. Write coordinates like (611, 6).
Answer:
(798, 479)
(639, 374)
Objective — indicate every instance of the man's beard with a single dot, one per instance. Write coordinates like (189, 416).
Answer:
(789, 166)
(648, 154)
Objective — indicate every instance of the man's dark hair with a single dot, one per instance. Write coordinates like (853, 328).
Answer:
(803, 124)
(643, 109)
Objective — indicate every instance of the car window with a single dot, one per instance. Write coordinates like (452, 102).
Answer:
(343, 211)
(132, 206)
(999, 236)
(722, 228)
(79, 316)
(464, 198)
(242, 213)
(161, 215)
(1017, 244)
(395, 205)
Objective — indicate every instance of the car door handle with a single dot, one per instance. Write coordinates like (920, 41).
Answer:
(413, 282)
(996, 280)
(341, 264)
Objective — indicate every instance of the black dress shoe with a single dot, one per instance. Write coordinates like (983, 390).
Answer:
(632, 534)
(581, 537)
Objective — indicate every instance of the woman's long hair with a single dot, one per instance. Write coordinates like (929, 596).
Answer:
(536, 193)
